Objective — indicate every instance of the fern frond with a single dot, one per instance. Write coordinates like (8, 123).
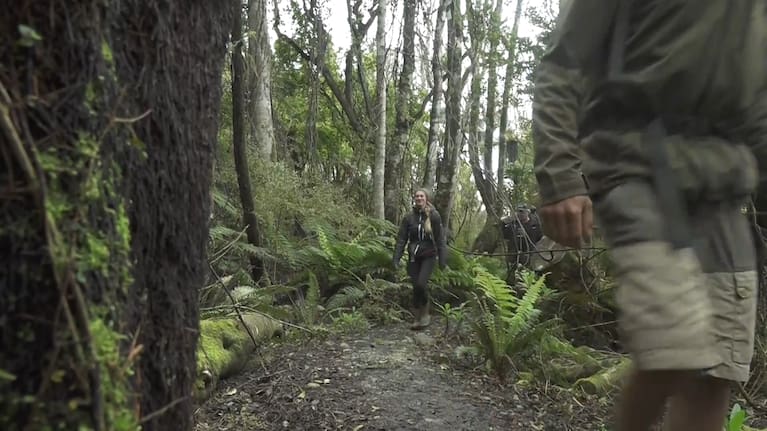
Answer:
(497, 291)
(222, 233)
(223, 202)
(526, 311)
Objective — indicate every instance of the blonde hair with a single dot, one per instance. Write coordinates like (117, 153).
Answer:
(427, 210)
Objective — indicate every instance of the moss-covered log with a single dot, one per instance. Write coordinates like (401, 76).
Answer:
(606, 380)
(226, 346)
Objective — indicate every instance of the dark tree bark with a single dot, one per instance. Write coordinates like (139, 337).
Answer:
(107, 122)
(64, 255)
(447, 172)
(171, 53)
(249, 218)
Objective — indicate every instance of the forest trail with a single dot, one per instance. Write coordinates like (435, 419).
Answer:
(388, 378)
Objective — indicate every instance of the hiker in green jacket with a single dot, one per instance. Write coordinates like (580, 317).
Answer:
(654, 112)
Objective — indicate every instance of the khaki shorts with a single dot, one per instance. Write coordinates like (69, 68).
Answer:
(689, 309)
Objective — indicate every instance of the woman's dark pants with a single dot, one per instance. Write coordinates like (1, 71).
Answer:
(420, 271)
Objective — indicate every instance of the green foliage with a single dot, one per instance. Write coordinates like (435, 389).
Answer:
(215, 302)
(348, 260)
(377, 299)
(351, 321)
(452, 314)
(737, 419)
(115, 372)
(507, 326)
(309, 309)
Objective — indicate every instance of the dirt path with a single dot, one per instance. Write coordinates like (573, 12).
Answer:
(389, 378)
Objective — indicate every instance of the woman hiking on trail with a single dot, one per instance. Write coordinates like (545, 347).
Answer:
(422, 231)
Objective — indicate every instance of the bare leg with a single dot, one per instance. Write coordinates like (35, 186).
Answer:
(644, 397)
(700, 404)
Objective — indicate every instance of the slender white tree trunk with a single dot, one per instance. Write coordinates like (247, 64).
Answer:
(262, 127)
(380, 141)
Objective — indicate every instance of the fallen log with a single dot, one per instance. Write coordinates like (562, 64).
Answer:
(606, 380)
(225, 346)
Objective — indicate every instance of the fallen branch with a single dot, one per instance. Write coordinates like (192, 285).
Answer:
(162, 410)
(254, 311)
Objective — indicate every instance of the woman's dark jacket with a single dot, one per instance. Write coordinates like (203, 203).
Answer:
(421, 244)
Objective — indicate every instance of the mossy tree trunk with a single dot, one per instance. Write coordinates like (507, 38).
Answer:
(64, 241)
(107, 123)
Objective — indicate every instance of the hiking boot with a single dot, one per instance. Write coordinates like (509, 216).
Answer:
(425, 319)
(417, 317)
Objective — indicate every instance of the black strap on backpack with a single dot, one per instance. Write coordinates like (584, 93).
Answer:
(670, 199)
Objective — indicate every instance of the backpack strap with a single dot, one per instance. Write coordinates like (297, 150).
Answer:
(618, 42)
(670, 199)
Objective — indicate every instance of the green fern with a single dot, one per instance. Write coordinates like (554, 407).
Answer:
(526, 312)
(309, 308)
(223, 202)
(507, 326)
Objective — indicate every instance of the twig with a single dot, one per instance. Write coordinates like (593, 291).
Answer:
(239, 315)
(476, 253)
(14, 139)
(221, 253)
(749, 399)
(261, 313)
(131, 120)
(162, 410)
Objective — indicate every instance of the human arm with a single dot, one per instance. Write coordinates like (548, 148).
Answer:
(399, 248)
(561, 82)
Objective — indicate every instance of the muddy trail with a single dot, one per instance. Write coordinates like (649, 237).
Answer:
(389, 378)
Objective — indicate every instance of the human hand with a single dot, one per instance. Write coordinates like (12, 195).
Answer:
(570, 221)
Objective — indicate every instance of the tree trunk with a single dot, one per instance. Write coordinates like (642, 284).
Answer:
(447, 175)
(506, 97)
(492, 90)
(249, 218)
(170, 188)
(100, 244)
(487, 240)
(494, 35)
(488, 237)
(380, 141)
(260, 86)
(393, 177)
(436, 118)
(64, 244)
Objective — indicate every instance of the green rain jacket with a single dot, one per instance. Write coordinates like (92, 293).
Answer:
(697, 64)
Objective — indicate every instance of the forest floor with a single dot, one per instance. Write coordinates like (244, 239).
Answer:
(387, 378)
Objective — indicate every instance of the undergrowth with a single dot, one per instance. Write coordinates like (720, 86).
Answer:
(329, 270)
